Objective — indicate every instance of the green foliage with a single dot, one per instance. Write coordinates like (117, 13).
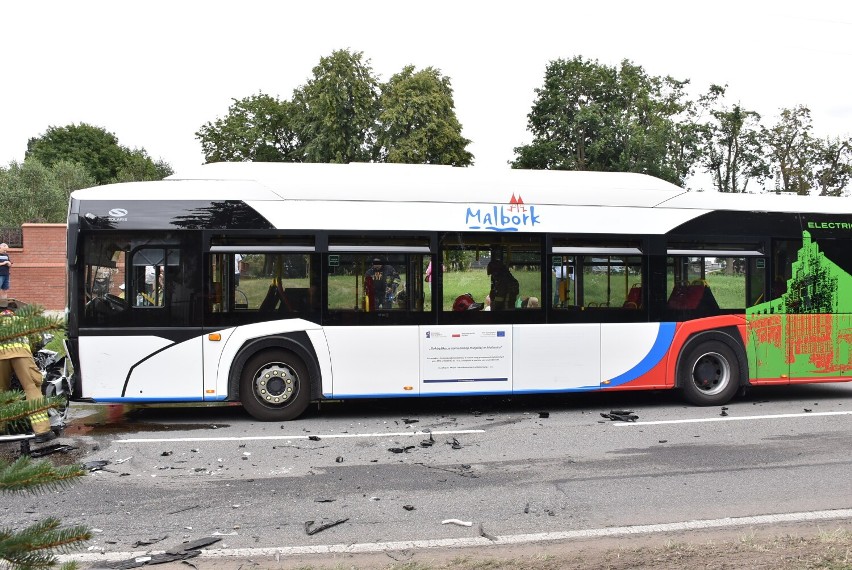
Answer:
(139, 167)
(733, 152)
(35, 546)
(33, 192)
(342, 114)
(97, 151)
(590, 116)
(339, 110)
(257, 128)
(418, 123)
(834, 166)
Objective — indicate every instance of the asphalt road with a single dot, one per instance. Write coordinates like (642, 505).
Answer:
(176, 474)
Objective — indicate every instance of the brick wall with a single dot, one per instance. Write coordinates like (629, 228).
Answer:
(38, 268)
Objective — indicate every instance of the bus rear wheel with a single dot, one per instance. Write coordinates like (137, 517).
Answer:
(275, 386)
(709, 374)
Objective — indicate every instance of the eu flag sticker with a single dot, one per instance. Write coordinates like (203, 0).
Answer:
(501, 333)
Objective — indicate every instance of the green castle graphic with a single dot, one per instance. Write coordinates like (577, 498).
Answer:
(807, 331)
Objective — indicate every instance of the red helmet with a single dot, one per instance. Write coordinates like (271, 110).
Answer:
(466, 303)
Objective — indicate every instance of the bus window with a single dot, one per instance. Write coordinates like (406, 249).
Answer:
(597, 274)
(482, 265)
(132, 280)
(378, 282)
(267, 283)
(710, 278)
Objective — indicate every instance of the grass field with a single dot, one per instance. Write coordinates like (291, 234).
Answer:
(345, 292)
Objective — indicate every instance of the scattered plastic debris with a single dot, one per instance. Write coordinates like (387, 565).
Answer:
(339, 459)
(314, 437)
(51, 449)
(96, 465)
(484, 534)
(544, 414)
(408, 507)
(428, 442)
(457, 522)
(454, 443)
(400, 449)
(149, 541)
(808, 410)
(182, 552)
(166, 453)
(324, 500)
(310, 529)
(620, 415)
(408, 421)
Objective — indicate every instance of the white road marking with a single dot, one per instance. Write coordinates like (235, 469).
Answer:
(369, 547)
(733, 418)
(291, 437)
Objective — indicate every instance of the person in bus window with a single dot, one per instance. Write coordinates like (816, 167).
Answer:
(380, 284)
(238, 261)
(504, 286)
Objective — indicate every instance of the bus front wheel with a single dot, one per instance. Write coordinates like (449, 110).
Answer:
(275, 386)
(709, 373)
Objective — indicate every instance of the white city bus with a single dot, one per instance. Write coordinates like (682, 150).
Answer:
(275, 285)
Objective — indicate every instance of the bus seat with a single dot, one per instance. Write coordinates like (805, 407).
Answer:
(634, 297)
(694, 296)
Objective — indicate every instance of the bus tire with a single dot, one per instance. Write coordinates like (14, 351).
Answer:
(709, 373)
(275, 386)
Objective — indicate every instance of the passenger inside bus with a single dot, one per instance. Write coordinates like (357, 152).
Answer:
(380, 284)
(504, 287)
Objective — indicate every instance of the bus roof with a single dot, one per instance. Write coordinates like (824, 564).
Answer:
(362, 182)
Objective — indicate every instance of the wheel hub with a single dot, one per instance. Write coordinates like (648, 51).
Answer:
(711, 373)
(275, 384)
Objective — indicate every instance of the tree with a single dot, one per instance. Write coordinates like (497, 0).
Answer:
(93, 147)
(339, 109)
(33, 192)
(256, 128)
(791, 151)
(33, 547)
(834, 166)
(138, 167)
(418, 122)
(589, 116)
(732, 149)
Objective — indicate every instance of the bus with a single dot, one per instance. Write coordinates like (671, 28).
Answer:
(276, 285)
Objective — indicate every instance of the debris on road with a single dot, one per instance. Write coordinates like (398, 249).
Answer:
(400, 449)
(454, 443)
(544, 414)
(408, 421)
(96, 465)
(149, 541)
(180, 553)
(457, 522)
(314, 437)
(484, 534)
(428, 442)
(310, 529)
(51, 449)
(408, 507)
(620, 415)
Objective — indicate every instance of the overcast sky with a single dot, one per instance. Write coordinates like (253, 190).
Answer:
(153, 72)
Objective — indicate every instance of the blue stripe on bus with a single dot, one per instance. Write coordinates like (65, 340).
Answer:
(467, 380)
(665, 335)
(156, 400)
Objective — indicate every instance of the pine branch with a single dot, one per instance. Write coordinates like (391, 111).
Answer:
(15, 410)
(36, 545)
(27, 322)
(27, 475)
